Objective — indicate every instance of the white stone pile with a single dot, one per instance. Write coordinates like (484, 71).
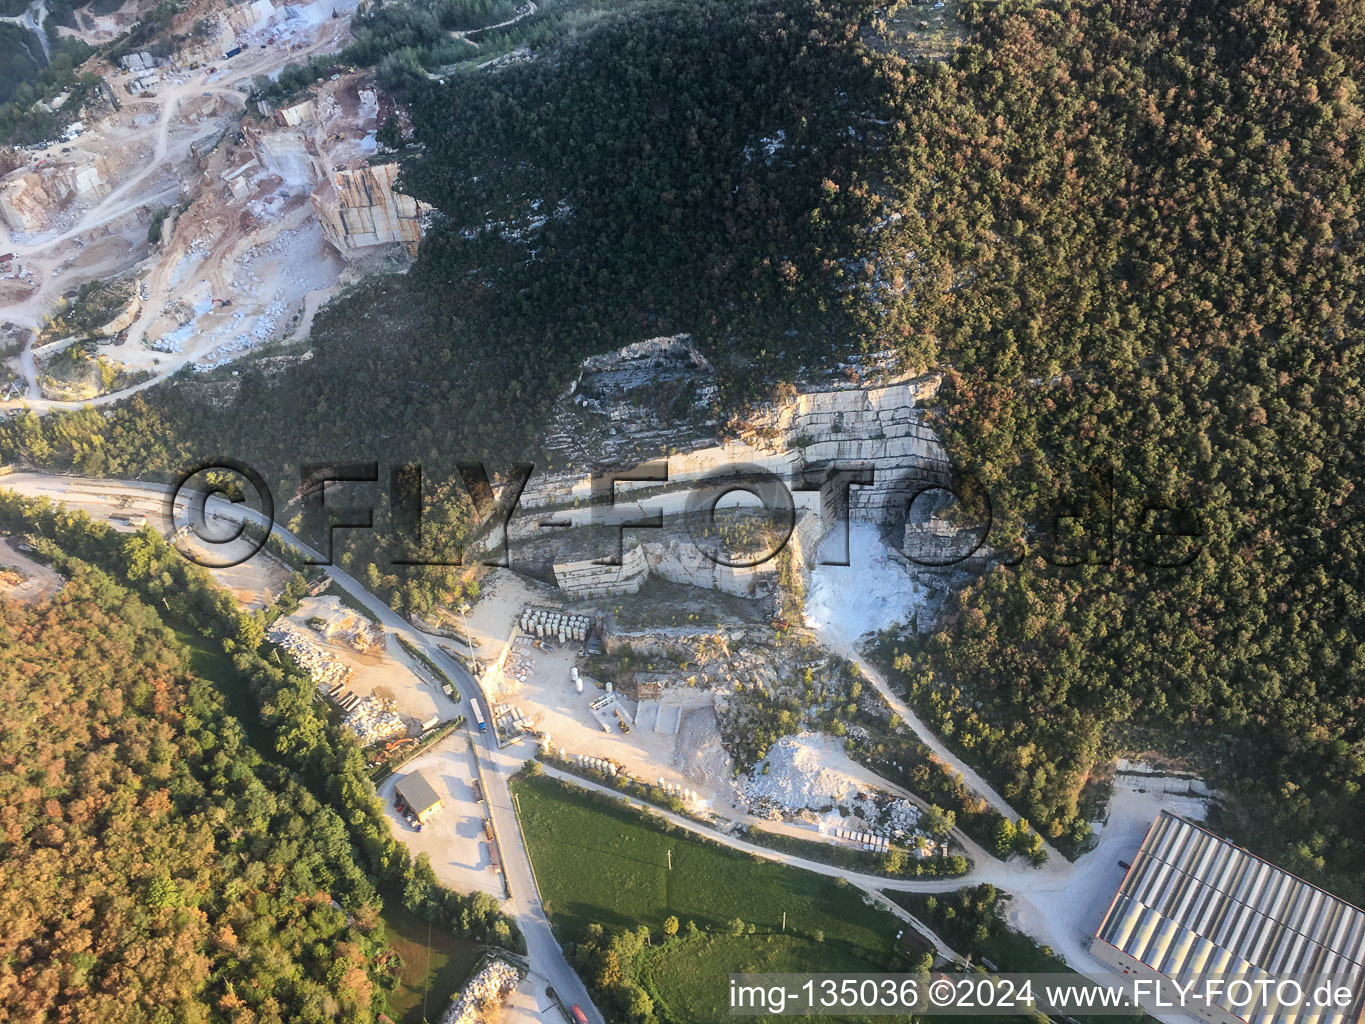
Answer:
(322, 667)
(266, 323)
(901, 817)
(374, 719)
(796, 777)
(485, 991)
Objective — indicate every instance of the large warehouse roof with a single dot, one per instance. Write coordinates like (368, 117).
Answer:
(1195, 904)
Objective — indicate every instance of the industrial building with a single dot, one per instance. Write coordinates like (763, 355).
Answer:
(421, 796)
(1195, 905)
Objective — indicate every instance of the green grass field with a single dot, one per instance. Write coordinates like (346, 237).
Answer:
(431, 974)
(602, 864)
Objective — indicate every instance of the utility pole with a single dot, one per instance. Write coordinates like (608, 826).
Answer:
(784, 920)
(670, 860)
(468, 646)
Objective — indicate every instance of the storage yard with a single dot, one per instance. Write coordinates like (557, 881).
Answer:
(374, 687)
(456, 839)
(673, 736)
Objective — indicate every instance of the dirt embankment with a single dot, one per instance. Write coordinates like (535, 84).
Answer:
(22, 579)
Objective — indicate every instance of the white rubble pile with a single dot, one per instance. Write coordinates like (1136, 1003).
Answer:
(222, 353)
(797, 780)
(374, 719)
(322, 667)
(794, 777)
(196, 254)
(900, 816)
(872, 593)
(270, 319)
(484, 992)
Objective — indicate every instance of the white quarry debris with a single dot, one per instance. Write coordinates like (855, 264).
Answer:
(810, 772)
(875, 591)
(324, 668)
(801, 773)
(374, 719)
(484, 994)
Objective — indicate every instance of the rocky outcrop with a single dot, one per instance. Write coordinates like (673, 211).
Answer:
(650, 401)
(359, 208)
(31, 200)
(588, 577)
(124, 319)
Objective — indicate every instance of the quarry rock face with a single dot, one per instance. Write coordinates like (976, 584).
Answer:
(587, 577)
(31, 200)
(671, 553)
(616, 416)
(327, 143)
(290, 154)
(650, 402)
(358, 208)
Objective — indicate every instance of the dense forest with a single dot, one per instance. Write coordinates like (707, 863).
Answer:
(1127, 234)
(24, 82)
(300, 833)
(1138, 253)
(155, 867)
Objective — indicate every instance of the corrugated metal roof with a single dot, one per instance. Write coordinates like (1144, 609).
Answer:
(1194, 903)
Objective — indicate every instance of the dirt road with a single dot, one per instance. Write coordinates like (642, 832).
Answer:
(39, 581)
